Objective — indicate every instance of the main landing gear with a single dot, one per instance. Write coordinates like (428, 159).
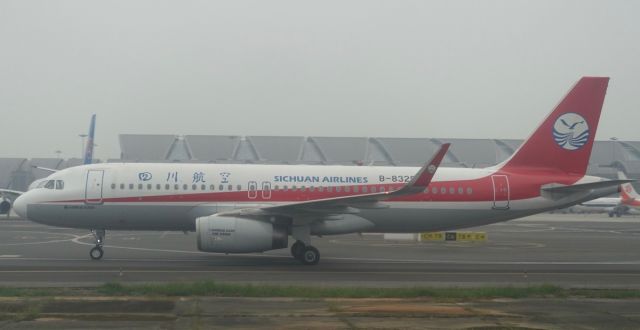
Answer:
(306, 254)
(96, 252)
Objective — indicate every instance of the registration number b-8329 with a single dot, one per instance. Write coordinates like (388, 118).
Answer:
(395, 178)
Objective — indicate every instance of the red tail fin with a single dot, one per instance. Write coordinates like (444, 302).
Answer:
(564, 139)
(627, 193)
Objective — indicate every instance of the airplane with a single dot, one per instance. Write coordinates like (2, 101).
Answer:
(599, 205)
(8, 196)
(629, 201)
(248, 208)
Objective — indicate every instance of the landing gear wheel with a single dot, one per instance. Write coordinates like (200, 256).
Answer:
(310, 256)
(96, 253)
(297, 249)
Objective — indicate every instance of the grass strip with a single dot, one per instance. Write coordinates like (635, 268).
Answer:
(211, 288)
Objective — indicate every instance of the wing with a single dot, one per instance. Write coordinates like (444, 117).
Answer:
(10, 194)
(348, 204)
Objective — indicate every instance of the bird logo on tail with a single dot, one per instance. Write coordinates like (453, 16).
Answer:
(571, 131)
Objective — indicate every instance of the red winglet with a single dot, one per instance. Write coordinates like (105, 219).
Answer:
(422, 179)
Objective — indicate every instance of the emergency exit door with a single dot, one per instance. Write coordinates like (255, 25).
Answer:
(500, 192)
(93, 191)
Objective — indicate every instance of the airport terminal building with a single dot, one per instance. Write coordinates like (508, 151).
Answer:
(607, 156)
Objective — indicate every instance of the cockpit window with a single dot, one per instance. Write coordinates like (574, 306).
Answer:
(50, 184)
(59, 184)
(41, 184)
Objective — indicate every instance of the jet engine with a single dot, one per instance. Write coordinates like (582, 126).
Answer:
(5, 206)
(239, 235)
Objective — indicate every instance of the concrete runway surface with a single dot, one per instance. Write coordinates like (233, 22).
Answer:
(566, 250)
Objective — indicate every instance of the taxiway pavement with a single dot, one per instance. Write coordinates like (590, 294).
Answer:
(566, 250)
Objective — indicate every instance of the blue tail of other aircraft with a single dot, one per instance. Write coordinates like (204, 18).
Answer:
(88, 154)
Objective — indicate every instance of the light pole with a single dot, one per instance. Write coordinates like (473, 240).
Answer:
(613, 140)
(82, 136)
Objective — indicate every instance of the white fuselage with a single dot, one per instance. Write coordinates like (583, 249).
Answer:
(138, 196)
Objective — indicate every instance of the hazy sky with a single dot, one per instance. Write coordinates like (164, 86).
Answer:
(468, 69)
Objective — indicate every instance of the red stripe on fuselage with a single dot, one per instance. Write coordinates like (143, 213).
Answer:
(481, 190)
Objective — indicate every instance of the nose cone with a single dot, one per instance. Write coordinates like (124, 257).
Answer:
(20, 206)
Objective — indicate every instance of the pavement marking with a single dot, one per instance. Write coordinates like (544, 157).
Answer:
(10, 256)
(361, 260)
(155, 271)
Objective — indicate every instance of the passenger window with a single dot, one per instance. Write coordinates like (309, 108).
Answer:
(452, 190)
(212, 187)
(59, 184)
(167, 186)
(460, 191)
(50, 184)
(158, 186)
(139, 186)
(130, 185)
(149, 186)
(443, 190)
(373, 189)
(329, 189)
(347, 189)
(203, 187)
(221, 187)
(176, 186)
(303, 188)
(293, 188)
(230, 187)
(185, 187)
(239, 187)
(122, 186)
(285, 188)
(113, 186)
(338, 188)
(469, 191)
(355, 189)
(194, 187)
(276, 187)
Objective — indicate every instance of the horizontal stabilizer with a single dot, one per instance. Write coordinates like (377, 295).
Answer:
(584, 186)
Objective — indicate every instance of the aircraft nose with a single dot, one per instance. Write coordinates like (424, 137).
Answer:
(20, 206)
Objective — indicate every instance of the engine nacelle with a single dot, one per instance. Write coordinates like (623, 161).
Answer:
(238, 235)
(5, 206)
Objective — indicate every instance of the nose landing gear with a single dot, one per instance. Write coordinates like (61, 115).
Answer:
(96, 252)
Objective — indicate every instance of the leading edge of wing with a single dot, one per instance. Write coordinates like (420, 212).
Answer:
(342, 204)
(10, 193)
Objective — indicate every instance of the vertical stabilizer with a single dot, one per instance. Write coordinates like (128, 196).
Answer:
(627, 192)
(88, 154)
(564, 140)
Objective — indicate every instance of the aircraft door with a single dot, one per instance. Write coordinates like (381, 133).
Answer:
(500, 192)
(266, 190)
(253, 190)
(93, 188)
